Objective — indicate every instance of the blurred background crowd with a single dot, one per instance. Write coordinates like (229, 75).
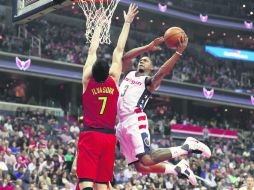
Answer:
(37, 148)
(37, 151)
(64, 42)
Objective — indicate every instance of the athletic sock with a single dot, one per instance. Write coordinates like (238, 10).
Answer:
(170, 169)
(177, 151)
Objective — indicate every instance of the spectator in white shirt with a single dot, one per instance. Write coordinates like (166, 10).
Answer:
(74, 129)
(10, 159)
(8, 126)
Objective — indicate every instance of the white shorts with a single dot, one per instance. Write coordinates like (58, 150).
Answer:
(134, 137)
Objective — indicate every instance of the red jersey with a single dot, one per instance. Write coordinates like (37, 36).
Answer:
(100, 104)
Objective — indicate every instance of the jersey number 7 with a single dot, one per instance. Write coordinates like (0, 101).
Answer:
(104, 102)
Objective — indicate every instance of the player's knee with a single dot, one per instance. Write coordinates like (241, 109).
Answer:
(140, 167)
(146, 160)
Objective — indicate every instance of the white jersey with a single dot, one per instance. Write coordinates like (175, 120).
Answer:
(133, 95)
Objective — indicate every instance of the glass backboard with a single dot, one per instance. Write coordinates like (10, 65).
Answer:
(27, 10)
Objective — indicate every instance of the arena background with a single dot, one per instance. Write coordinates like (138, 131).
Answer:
(40, 108)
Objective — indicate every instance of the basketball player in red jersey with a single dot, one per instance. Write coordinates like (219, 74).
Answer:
(96, 144)
(132, 130)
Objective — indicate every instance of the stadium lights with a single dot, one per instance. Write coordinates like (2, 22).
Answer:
(244, 5)
(224, 34)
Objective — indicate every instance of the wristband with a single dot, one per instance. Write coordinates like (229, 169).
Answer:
(178, 53)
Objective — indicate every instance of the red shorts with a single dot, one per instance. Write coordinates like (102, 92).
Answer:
(96, 153)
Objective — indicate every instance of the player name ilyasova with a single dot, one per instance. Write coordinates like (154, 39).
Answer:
(103, 90)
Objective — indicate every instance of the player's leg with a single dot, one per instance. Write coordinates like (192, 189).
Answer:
(126, 144)
(163, 168)
(86, 185)
(140, 141)
(191, 145)
(182, 169)
(135, 143)
(101, 186)
(140, 138)
(87, 159)
(106, 162)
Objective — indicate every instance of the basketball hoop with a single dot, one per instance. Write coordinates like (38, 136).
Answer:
(92, 10)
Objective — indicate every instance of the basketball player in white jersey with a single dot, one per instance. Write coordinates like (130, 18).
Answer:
(132, 130)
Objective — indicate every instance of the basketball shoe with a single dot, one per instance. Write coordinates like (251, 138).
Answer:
(183, 171)
(193, 145)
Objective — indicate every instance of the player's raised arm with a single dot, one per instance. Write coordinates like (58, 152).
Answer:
(92, 57)
(116, 68)
(128, 56)
(155, 81)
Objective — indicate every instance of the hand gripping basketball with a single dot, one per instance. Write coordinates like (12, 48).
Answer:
(153, 45)
(183, 42)
(132, 12)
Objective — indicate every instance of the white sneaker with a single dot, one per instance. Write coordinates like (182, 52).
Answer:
(183, 170)
(195, 146)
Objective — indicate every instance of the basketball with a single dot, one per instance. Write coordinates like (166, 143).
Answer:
(172, 36)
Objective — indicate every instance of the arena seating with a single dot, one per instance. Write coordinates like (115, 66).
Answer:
(36, 144)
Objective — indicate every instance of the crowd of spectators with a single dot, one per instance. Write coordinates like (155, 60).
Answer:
(162, 116)
(64, 43)
(37, 150)
(230, 9)
(228, 168)
(21, 90)
(223, 8)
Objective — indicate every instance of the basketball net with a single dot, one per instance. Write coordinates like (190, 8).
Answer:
(92, 10)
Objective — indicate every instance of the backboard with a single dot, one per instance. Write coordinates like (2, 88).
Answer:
(26, 10)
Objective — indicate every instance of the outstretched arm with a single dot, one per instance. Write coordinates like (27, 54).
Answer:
(155, 81)
(128, 56)
(116, 68)
(91, 57)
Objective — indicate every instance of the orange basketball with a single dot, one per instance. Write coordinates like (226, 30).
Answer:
(172, 36)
